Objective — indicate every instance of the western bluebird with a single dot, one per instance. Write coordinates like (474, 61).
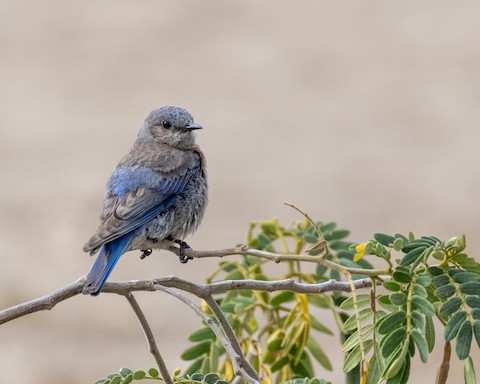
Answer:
(157, 192)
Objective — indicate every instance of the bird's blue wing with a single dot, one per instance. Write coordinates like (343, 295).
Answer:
(136, 195)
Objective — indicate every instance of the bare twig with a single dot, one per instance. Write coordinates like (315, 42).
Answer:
(227, 328)
(322, 243)
(150, 338)
(442, 373)
(238, 360)
(278, 257)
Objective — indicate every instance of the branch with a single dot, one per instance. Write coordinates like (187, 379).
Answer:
(277, 258)
(238, 360)
(43, 303)
(150, 338)
(227, 328)
(47, 302)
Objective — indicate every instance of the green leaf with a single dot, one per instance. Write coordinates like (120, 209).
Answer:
(116, 380)
(124, 371)
(153, 372)
(469, 371)
(293, 335)
(412, 256)
(337, 235)
(466, 277)
(430, 333)
(402, 376)
(362, 302)
(415, 245)
(310, 238)
(194, 367)
(202, 334)
(315, 324)
(195, 351)
(445, 291)
(355, 356)
(279, 364)
(197, 376)
(274, 344)
(470, 288)
(353, 340)
(440, 280)
(263, 240)
(476, 330)
(424, 280)
(398, 298)
(139, 375)
(282, 297)
(385, 300)
(402, 276)
(213, 356)
(473, 301)
(235, 275)
(303, 368)
(351, 322)
(211, 378)
(421, 344)
(464, 340)
(453, 271)
(392, 286)
(318, 353)
(375, 370)
(476, 313)
(436, 271)
(398, 244)
(395, 362)
(393, 341)
(320, 301)
(419, 290)
(450, 306)
(128, 379)
(454, 324)
(467, 263)
(423, 305)
(418, 319)
(391, 322)
(386, 240)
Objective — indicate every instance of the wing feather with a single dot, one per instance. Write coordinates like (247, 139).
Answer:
(123, 214)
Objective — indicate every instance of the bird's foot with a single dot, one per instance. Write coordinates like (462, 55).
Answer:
(145, 253)
(183, 245)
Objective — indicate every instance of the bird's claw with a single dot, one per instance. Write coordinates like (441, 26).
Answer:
(183, 258)
(145, 253)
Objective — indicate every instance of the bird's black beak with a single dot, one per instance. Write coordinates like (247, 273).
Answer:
(191, 127)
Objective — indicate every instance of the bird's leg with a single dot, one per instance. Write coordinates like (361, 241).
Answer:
(148, 251)
(183, 245)
(145, 253)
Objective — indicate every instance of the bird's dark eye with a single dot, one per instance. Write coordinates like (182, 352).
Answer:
(166, 124)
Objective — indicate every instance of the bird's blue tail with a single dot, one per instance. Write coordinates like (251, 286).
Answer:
(103, 266)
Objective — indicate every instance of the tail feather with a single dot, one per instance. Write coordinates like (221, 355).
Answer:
(107, 258)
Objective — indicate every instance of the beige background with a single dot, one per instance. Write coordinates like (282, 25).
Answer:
(365, 113)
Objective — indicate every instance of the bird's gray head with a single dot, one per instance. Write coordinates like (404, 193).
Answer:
(170, 125)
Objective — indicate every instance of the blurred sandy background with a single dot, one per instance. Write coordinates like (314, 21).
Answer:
(365, 113)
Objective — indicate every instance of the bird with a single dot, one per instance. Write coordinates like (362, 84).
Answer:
(156, 195)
